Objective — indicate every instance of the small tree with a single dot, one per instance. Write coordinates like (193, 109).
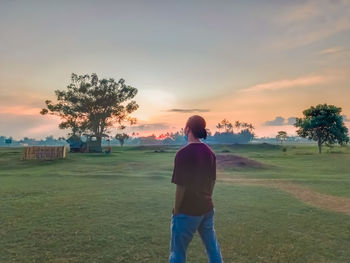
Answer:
(281, 136)
(122, 137)
(8, 141)
(323, 124)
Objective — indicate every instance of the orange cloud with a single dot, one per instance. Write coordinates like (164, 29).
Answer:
(333, 50)
(289, 83)
(19, 110)
(43, 129)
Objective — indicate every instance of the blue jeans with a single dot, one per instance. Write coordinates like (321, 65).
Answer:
(183, 227)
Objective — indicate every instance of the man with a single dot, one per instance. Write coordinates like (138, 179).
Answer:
(194, 175)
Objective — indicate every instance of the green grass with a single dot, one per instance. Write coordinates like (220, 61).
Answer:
(117, 208)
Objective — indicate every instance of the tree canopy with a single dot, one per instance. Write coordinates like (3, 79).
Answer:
(122, 137)
(90, 104)
(228, 126)
(281, 136)
(324, 124)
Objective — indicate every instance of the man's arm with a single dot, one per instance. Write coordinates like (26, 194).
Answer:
(179, 196)
(212, 183)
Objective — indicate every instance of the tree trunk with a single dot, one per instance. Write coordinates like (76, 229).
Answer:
(319, 146)
(99, 143)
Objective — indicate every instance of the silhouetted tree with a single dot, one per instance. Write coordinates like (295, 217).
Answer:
(245, 125)
(323, 124)
(122, 137)
(8, 141)
(225, 124)
(219, 126)
(149, 140)
(93, 104)
(209, 132)
(229, 127)
(237, 125)
(281, 136)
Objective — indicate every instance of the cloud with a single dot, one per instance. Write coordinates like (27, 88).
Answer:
(28, 125)
(280, 121)
(289, 83)
(311, 21)
(20, 110)
(291, 120)
(188, 110)
(149, 127)
(301, 12)
(333, 50)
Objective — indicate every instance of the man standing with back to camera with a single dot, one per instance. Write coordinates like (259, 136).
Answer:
(194, 175)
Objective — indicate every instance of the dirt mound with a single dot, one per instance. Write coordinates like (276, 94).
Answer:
(235, 161)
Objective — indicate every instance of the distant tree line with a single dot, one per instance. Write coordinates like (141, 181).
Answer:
(323, 124)
(227, 133)
(26, 141)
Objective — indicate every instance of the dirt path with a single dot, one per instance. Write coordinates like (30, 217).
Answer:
(329, 202)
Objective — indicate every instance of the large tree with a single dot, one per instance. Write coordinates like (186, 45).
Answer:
(323, 124)
(93, 105)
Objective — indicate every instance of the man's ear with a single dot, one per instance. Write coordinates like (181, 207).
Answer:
(188, 131)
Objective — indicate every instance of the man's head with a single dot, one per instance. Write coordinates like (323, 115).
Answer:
(195, 126)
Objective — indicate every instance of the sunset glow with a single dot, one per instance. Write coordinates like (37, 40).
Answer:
(251, 62)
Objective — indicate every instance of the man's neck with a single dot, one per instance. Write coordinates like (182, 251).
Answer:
(193, 140)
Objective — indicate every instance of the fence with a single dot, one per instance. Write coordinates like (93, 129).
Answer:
(44, 152)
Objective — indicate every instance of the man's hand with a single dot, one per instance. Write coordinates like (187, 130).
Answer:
(174, 212)
(179, 196)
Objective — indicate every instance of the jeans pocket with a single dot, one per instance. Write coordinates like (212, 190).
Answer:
(179, 215)
(175, 216)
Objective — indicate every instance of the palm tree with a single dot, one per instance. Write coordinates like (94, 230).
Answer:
(208, 132)
(237, 125)
(229, 127)
(251, 127)
(182, 132)
(219, 126)
(244, 125)
(224, 123)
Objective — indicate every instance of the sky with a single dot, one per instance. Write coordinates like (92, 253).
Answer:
(262, 62)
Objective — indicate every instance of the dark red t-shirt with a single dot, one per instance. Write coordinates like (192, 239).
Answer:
(195, 168)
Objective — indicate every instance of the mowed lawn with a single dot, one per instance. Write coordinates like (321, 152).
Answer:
(117, 208)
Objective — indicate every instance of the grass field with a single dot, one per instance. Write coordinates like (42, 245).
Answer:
(117, 208)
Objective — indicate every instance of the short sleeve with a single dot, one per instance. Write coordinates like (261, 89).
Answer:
(179, 171)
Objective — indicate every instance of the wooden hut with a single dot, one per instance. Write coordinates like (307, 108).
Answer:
(75, 144)
(91, 145)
